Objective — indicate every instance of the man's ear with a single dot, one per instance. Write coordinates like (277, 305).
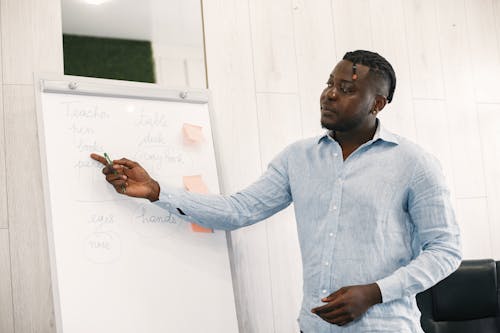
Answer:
(380, 102)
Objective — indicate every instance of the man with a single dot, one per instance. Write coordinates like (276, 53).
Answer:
(373, 212)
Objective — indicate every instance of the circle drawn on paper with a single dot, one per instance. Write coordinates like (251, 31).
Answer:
(102, 247)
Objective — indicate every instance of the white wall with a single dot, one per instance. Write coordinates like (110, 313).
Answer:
(267, 64)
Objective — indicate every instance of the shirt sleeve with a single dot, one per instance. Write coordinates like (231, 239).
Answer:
(430, 210)
(268, 195)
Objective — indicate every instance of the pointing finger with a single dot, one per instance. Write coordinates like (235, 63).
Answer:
(99, 158)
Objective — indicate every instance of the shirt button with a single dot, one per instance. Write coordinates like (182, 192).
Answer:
(170, 196)
(334, 208)
(326, 263)
(335, 154)
(324, 291)
(330, 234)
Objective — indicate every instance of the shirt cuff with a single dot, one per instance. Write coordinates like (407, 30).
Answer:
(170, 199)
(390, 288)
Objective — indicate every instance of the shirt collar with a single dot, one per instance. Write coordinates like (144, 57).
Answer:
(380, 133)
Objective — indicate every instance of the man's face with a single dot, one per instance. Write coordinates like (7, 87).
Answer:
(346, 103)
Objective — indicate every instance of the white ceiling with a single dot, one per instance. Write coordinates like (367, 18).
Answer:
(172, 22)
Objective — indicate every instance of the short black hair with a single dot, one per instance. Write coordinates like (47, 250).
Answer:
(378, 65)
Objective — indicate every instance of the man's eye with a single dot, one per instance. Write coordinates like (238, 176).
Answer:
(346, 89)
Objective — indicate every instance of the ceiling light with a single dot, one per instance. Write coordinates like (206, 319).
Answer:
(96, 2)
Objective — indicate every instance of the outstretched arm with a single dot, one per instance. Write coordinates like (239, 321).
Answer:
(268, 195)
(265, 197)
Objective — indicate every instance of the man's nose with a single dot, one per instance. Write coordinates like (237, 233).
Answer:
(331, 93)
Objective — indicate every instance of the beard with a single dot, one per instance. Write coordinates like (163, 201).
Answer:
(333, 127)
(327, 126)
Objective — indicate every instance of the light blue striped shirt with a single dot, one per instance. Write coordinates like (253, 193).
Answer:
(383, 215)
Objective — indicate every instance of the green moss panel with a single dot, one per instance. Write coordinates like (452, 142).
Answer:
(109, 58)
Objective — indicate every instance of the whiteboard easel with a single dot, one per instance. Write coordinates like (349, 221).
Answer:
(118, 264)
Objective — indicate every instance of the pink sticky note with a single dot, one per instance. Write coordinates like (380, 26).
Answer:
(195, 184)
(192, 133)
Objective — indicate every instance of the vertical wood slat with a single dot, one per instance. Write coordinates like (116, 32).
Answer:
(31, 287)
(286, 270)
(472, 215)
(425, 60)
(1, 53)
(31, 39)
(351, 21)
(279, 125)
(6, 312)
(465, 148)
(235, 126)
(432, 135)
(484, 49)
(390, 40)
(459, 91)
(315, 51)
(3, 181)
(47, 54)
(489, 128)
(31, 43)
(452, 28)
(496, 14)
(231, 81)
(16, 22)
(3, 186)
(273, 46)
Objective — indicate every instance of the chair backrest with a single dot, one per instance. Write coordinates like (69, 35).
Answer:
(466, 301)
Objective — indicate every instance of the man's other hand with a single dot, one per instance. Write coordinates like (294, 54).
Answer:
(348, 303)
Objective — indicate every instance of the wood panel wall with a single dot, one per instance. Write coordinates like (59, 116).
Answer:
(31, 41)
(267, 62)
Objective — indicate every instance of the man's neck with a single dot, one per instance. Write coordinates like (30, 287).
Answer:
(352, 139)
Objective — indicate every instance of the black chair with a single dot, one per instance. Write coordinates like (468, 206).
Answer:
(467, 301)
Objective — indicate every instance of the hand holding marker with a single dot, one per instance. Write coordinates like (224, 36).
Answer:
(110, 163)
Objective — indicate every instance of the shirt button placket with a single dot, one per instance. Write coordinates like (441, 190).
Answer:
(330, 241)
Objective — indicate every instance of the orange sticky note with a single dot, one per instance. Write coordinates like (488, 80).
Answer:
(199, 228)
(192, 133)
(195, 184)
